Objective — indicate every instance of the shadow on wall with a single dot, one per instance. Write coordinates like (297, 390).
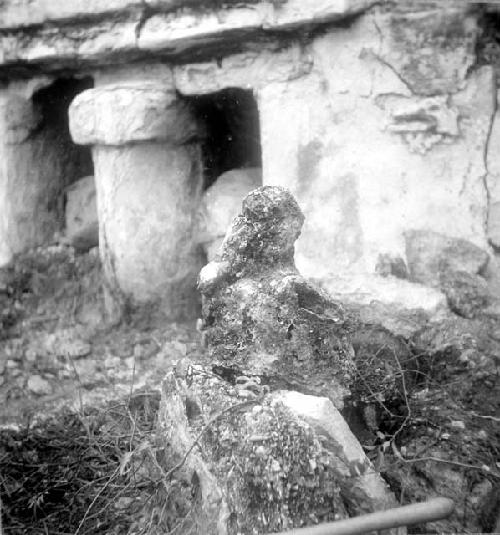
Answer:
(70, 197)
(231, 121)
(232, 159)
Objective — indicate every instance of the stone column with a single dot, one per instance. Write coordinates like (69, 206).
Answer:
(147, 160)
(36, 163)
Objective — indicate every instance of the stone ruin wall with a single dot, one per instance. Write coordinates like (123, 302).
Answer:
(380, 118)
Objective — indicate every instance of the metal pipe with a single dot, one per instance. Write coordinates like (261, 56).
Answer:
(415, 513)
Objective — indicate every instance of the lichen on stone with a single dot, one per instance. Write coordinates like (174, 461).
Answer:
(261, 317)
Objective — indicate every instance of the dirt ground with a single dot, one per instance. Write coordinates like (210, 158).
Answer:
(80, 397)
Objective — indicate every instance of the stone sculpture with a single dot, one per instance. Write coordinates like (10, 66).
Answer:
(261, 453)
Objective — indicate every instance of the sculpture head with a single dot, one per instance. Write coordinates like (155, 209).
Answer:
(261, 237)
(266, 230)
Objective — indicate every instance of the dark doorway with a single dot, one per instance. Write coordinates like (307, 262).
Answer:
(231, 121)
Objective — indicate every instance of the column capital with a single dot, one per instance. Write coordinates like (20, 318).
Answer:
(122, 113)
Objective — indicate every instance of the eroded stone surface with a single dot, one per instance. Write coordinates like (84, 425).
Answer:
(98, 33)
(264, 462)
(363, 290)
(374, 155)
(261, 317)
(430, 253)
(453, 265)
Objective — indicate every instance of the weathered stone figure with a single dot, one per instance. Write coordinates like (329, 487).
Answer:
(261, 317)
(260, 452)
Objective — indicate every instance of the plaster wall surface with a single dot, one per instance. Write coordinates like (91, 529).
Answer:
(368, 155)
(373, 133)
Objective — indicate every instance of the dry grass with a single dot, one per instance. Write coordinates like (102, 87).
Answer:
(87, 473)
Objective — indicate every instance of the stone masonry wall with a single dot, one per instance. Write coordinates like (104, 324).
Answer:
(380, 119)
(379, 127)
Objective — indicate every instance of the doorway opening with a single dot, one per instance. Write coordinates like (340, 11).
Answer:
(66, 193)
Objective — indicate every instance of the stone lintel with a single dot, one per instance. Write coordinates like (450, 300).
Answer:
(117, 114)
(40, 35)
(19, 14)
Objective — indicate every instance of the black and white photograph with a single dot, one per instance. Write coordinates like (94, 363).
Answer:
(249, 267)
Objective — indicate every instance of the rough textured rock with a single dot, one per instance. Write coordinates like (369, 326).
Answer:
(429, 254)
(221, 202)
(264, 462)
(451, 264)
(82, 225)
(260, 317)
(463, 343)
(390, 293)
(39, 386)
(400, 321)
(393, 136)
(464, 355)
(468, 295)
(448, 28)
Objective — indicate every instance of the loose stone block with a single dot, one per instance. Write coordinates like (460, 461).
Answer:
(430, 253)
(82, 226)
(221, 202)
(264, 462)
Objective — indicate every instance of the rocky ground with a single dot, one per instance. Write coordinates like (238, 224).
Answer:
(78, 452)
(78, 396)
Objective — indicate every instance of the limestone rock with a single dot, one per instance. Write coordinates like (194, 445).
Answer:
(468, 295)
(430, 253)
(260, 317)
(264, 462)
(82, 226)
(116, 32)
(451, 264)
(398, 320)
(387, 300)
(474, 344)
(221, 202)
(65, 343)
(39, 386)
